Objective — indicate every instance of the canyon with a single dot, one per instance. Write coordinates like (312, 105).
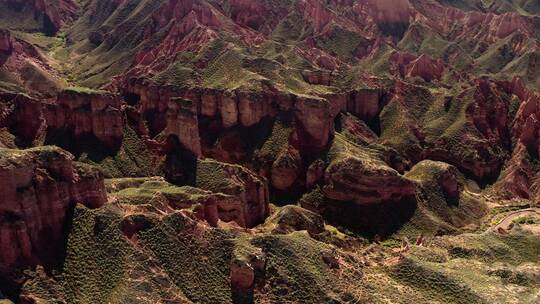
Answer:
(231, 151)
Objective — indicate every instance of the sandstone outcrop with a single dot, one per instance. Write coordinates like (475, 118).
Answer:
(98, 114)
(246, 269)
(360, 190)
(40, 187)
(182, 121)
(209, 206)
(294, 218)
(237, 181)
(315, 123)
(366, 104)
(246, 199)
(410, 65)
(518, 176)
(286, 169)
(443, 175)
(6, 42)
(55, 14)
(365, 182)
(23, 117)
(525, 125)
(314, 117)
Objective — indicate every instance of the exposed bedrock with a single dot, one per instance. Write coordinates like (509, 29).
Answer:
(72, 116)
(351, 179)
(40, 188)
(23, 117)
(441, 177)
(6, 42)
(182, 121)
(54, 14)
(80, 113)
(208, 206)
(361, 191)
(410, 65)
(246, 195)
(520, 172)
(212, 111)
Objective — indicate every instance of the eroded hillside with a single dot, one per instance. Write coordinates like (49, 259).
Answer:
(291, 151)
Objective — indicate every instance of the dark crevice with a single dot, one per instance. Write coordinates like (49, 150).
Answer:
(132, 99)
(156, 121)
(87, 144)
(180, 164)
(49, 28)
(371, 220)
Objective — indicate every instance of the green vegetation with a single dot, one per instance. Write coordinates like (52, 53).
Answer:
(199, 266)
(343, 43)
(436, 285)
(147, 245)
(83, 90)
(436, 212)
(296, 272)
(527, 220)
(97, 259)
(150, 189)
(133, 159)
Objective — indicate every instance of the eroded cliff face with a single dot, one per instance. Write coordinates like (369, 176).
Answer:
(237, 181)
(72, 116)
(379, 117)
(41, 186)
(81, 114)
(6, 42)
(410, 65)
(52, 14)
(520, 173)
(26, 68)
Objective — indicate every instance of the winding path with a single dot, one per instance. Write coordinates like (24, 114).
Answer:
(506, 222)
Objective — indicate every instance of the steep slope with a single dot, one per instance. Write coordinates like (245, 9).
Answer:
(223, 127)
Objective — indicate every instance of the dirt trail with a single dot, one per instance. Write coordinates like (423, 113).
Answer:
(506, 222)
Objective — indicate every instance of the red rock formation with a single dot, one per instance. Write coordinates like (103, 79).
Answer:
(315, 123)
(516, 180)
(6, 43)
(489, 113)
(357, 129)
(60, 13)
(223, 208)
(366, 104)
(389, 11)
(294, 218)
(363, 192)
(24, 119)
(40, 186)
(98, 114)
(317, 77)
(245, 270)
(355, 180)
(252, 108)
(57, 13)
(182, 122)
(242, 275)
(518, 176)
(286, 169)
(314, 117)
(526, 126)
(437, 176)
(315, 173)
(254, 195)
(488, 27)
(410, 65)
(250, 189)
